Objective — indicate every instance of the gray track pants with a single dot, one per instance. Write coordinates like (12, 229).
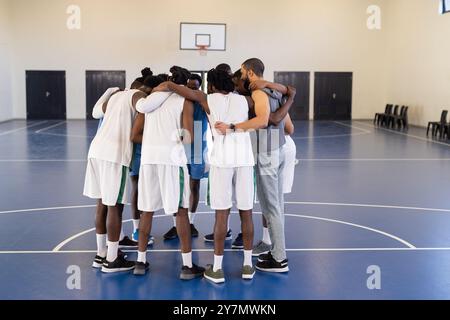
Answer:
(269, 182)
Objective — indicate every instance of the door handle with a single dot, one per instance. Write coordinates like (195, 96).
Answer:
(47, 94)
(334, 96)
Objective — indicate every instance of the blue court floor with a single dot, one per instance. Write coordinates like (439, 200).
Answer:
(363, 196)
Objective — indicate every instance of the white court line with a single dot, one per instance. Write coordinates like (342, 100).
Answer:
(364, 132)
(372, 160)
(407, 135)
(50, 127)
(331, 136)
(42, 160)
(22, 128)
(63, 243)
(365, 206)
(286, 202)
(234, 250)
(352, 126)
(65, 135)
(407, 244)
(47, 209)
(304, 160)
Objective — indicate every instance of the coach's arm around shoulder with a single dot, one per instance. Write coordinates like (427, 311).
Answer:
(290, 92)
(281, 114)
(260, 121)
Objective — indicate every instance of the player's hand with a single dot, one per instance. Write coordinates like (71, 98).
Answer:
(291, 91)
(163, 87)
(258, 85)
(222, 128)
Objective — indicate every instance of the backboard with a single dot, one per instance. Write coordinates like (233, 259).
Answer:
(209, 35)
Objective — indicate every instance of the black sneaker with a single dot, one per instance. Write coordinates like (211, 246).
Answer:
(119, 265)
(238, 243)
(127, 243)
(210, 237)
(267, 263)
(122, 254)
(194, 231)
(98, 262)
(171, 234)
(191, 273)
(265, 257)
(141, 268)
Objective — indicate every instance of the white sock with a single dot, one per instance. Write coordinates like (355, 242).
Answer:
(187, 259)
(217, 263)
(266, 236)
(101, 245)
(142, 257)
(248, 258)
(191, 217)
(135, 225)
(122, 235)
(174, 221)
(113, 250)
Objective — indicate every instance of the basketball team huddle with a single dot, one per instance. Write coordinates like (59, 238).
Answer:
(156, 133)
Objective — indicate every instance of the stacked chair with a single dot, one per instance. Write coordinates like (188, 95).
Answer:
(441, 127)
(380, 116)
(393, 117)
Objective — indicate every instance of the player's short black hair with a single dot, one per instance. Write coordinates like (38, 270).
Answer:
(196, 77)
(180, 75)
(221, 80)
(152, 81)
(146, 72)
(224, 67)
(256, 65)
(237, 74)
(164, 77)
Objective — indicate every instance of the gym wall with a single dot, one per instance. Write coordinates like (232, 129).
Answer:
(418, 61)
(5, 64)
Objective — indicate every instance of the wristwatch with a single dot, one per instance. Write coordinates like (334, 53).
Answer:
(233, 127)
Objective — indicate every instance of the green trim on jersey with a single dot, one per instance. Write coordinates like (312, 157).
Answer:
(181, 187)
(122, 184)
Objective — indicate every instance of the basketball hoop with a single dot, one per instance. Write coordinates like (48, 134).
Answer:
(203, 50)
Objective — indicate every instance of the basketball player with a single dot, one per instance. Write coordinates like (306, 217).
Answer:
(270, 165)
(108, 160)
(163, 174)
(197, 165)
(232, 165)
(149, 83)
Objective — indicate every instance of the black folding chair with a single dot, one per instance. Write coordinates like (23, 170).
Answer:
(438, 126)
(391, 118)
(396, 120)
(378, 115)
(383, 119)
(404, 119)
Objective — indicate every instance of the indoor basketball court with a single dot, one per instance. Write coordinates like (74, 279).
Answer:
(367, 216)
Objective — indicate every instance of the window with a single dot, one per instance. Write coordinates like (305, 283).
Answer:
(444, 6)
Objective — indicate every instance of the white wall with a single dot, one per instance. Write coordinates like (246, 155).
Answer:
(5, 63)
(419, 58)
(288, 35)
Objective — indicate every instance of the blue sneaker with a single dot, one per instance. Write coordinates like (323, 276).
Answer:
(135, 237)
